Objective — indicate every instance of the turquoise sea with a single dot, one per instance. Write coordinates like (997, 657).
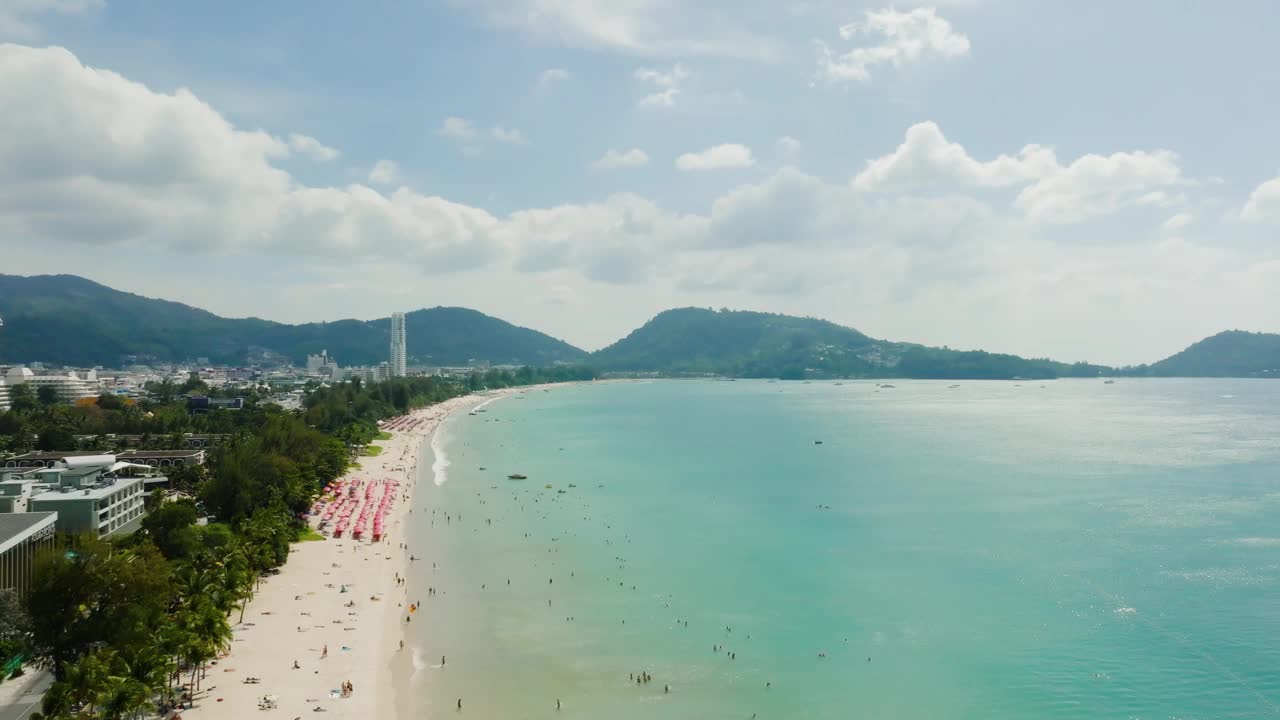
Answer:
(1066, 549)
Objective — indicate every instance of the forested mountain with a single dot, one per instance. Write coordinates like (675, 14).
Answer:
(1233, 353)
(753, 344)
(65, 319)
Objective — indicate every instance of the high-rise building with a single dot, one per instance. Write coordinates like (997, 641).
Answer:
(398, 354)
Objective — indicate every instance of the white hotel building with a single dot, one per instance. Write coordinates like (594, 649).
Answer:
(69, 387)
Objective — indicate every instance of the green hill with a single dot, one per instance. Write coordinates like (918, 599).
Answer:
(65, 319)
(68, 320)
(753, 344)
(1234, 353)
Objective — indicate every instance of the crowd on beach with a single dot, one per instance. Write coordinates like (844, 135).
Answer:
(320, 580)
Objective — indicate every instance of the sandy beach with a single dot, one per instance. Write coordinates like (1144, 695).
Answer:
(336, 608)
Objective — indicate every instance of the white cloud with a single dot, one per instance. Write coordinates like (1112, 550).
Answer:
(661, 99)
(926, 157)
(100, 172)
(552, 76)
(1157, 198)
(18, 17)
(385, 172)
(1264, 203)
(667, 85)
(509, 136)
(458, 128)
(904, 37)
(613, 159)
(653, 28)
(728, 155)
(660, 78)
(1178, 222)
(621, 240)
(1097, 185)
(311, 147)
(788, 147)
(1090, 187)
(89, 157)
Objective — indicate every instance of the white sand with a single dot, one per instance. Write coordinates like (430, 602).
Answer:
(301, 610)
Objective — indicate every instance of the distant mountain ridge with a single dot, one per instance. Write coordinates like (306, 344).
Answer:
(69, 320)
(1234, 353)
(66, 319)
(754, 344)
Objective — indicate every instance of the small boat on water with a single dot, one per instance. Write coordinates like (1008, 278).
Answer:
(517, 476)
(817, 442)
(1108, 381)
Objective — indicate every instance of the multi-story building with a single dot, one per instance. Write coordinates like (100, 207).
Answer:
(152, 458)
(90, 494)
(22, 538)
(4, 394)
(399, 351)
(69, 387)
(323, 365)
(16, 485)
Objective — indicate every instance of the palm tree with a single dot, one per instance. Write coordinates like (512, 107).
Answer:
(151, 667)
(237, 579)
(83, 681)
(121, 695)
(204, 633)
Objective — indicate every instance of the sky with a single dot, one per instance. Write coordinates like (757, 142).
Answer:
(1094, 180)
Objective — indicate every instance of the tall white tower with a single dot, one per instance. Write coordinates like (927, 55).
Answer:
(398, 354)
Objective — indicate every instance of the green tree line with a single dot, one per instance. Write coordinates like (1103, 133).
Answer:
(127, 626)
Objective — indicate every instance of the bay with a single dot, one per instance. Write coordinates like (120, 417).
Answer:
(1065, 549)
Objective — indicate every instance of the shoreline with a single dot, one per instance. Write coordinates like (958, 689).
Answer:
(299, 612)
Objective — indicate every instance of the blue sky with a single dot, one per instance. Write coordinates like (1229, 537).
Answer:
(1086, 180)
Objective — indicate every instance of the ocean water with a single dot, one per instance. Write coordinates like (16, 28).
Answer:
(1066, 549)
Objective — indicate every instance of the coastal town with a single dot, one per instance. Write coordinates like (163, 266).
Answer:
(314, 633)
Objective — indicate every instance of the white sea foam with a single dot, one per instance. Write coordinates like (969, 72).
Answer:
(440, 467)
(419, 663)
(1258, 541)
(1126, 611)
(486, 402)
